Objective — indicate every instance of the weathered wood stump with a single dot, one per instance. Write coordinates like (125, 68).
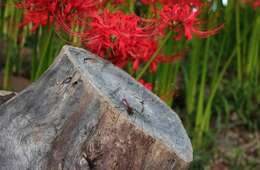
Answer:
(5, 96)
(85, 113)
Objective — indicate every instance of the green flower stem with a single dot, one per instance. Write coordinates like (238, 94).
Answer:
(238, 33)
(34, 63)
(201, 98)
(191, 75)
(169, 34)
(2, 12)
(132, 6)
(8, 68)
(253, 51)
(44, 46)
(12, 18)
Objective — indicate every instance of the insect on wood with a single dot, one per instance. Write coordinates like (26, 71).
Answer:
(131, 110)
(67, 80)
(86, 59)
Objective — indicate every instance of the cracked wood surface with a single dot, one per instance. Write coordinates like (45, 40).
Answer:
(75, 117)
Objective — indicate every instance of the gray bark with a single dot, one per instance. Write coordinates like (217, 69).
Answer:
(85, 113)
(5, 96)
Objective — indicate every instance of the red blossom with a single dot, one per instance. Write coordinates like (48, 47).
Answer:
(122, 38)
(183, 20)
(38, 12)
(256, 4)
(64, 12)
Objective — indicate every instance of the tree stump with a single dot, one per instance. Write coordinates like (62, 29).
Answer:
(85, 113)
(5, 96)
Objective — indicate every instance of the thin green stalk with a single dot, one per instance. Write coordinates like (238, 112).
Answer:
(132, 6)
(169, 34)
(55, 49)
(7, 69)
(218, 62)
(20, 46)
(172, 82)
(19, 39)
(76, 39)
(171, 78)
(166, 78)
(163, 76)
(253, 49)
(2, 12)
(205, 122)
(34, 63)
(206, 118)
(191, 77)
(166, 74)
(203, 82)
(10, 31)
(44, 46)
(238, 48)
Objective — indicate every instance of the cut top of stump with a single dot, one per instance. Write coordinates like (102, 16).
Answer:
(148, 111)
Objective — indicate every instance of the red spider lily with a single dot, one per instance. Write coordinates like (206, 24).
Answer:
(37, 12)
(64, 12)
(183, 19)
(256, 4)
(122, 38)
(148, 86)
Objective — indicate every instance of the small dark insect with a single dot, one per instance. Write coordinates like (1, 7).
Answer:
(129, 109)
(142, 102)
(92, 162)
(75, 83)
(87, 58)
(67, 80)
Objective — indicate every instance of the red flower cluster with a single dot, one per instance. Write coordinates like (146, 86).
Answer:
(256, 4)
(64, 12)
(120, 37)
(38, 12)
(182, 18)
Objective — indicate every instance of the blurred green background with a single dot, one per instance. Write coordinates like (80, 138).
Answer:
(215, 89)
